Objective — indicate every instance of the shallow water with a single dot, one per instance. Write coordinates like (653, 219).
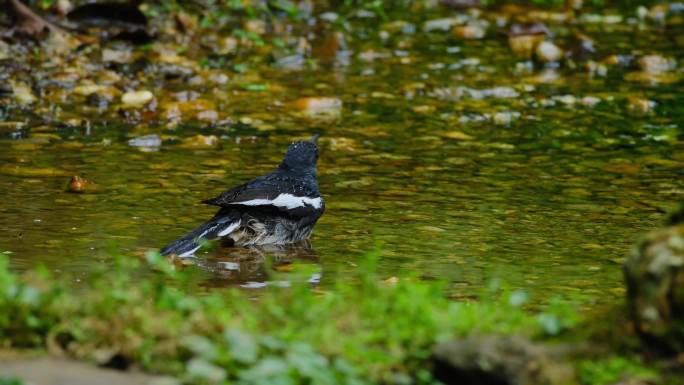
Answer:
(548, 203)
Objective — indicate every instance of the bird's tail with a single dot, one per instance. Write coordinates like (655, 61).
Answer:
(216, 227)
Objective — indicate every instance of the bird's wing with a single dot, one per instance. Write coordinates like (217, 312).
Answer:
(268, 192)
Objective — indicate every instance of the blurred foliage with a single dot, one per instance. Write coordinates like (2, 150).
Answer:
(367, 331)
(10, 381)
(613, 369)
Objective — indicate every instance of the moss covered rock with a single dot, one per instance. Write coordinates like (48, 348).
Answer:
(500, 360)
(654, 272)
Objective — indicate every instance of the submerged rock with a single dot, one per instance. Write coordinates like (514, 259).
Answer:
(23, 93)
(639, 105)
(654, 273)
(323, 107)
(136, 98)
(442, 24)
(209, 116)
(472, 31)
(201, 142)
(523, 46)
(505, 118)
(146, 141)
(655, 69)
(461, 92)
(656, 64)
(98, 100)
(318, 103)
(524, 38)
(457, 135)
(117, 56)
(462, 4)
(548, 52)
(494, 360)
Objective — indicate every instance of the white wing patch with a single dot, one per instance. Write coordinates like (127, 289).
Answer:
(189, 253)
(229, 229)
(288, 201)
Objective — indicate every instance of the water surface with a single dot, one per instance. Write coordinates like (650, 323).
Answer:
(548, 202)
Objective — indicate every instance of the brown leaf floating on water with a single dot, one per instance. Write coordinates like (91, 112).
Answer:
(77, 184)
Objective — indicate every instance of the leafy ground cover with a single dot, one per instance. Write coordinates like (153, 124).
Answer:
(367, 331)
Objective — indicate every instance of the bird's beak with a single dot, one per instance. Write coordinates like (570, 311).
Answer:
(314, 138)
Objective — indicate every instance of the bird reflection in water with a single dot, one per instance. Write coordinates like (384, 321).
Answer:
(257, 266)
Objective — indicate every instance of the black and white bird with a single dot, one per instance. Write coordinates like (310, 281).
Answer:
(278, 208)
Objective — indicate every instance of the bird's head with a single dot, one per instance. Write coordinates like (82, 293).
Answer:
(302, 156)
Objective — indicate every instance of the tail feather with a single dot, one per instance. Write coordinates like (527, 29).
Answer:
(191, 242)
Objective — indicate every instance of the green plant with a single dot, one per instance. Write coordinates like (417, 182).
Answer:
(10, 381)
(367, 331)
(613, 369)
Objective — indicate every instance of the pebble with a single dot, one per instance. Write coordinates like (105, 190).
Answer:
(657, 13)
(568, 100)
(4, 50)
(575, 4)
(458, 135)
(228, 45)
(459, 92)
(186, 23)
(423, 109)
(87, 89)
(201, 142)
(11, 126)
(146, 141)
(547, 76)
(208, 116)
(444, 24)
(101, 101)
(470, 31)
(523, 46)
(23, 93)
(641, 12)
(505, 118)
(382, 95)
(330, 17)
(528, 29)
(596, 69)
(136, 98)
(548, 52)
(59, 43)
(219, 78)
(117, 56)
(656, 64)
(255, 25)
(590, 101)
(640, 105)
(318, 104)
